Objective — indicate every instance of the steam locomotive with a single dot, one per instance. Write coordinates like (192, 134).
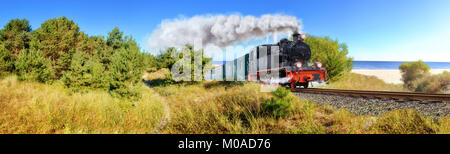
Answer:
(286, 63)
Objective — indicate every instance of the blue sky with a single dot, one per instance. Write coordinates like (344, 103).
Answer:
(400, 30)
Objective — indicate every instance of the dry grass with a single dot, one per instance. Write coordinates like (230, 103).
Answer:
(355, 81)
(153, 74)
(235, 108)
(27, 107)
(401, 121)
(224, 107)
(200, 108)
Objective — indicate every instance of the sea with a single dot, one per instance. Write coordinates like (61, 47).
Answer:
(394, 65)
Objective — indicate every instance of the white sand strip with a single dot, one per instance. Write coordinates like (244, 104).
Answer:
(390, 76)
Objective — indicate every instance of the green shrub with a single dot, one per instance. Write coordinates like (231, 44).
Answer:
(413, 71)
(32, 65)
(280, 105)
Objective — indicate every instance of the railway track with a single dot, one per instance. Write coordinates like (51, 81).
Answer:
(398, 96)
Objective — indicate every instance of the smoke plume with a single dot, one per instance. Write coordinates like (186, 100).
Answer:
(220, 30)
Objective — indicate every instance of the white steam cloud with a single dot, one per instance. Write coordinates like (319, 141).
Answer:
(220, 30)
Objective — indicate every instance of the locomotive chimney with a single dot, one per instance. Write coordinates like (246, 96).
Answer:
(295, 36)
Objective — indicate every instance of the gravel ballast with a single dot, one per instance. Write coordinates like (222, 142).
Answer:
(376, 107)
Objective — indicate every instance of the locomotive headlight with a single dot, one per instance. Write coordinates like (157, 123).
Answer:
(298, 65)
(319, 64)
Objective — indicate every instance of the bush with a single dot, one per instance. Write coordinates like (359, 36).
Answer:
(332, 54)
(433, 83)
(413, 71)
(280, 105)
(31, 65)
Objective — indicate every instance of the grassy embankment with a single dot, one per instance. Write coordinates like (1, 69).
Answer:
(355, 81)
(207, 107)
(28, 107)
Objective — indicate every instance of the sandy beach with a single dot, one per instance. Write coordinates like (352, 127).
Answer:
(390, 76)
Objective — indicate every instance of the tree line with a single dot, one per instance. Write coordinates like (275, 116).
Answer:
(59, 52)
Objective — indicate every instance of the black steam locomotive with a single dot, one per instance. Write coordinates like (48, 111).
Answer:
(286, 63)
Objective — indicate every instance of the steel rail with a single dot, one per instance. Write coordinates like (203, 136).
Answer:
(415, 96)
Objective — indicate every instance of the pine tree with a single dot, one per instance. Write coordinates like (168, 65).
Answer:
(16, 36)
(57, 38)
(115, 38)
(126, 69)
